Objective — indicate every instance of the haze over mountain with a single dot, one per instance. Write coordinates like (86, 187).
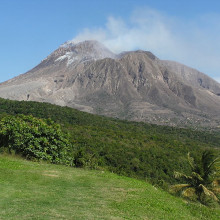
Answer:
(132, 85)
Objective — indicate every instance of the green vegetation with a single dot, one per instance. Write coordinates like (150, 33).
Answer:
(31, 190)
(34, 138)
(203, 179)
(138, 150)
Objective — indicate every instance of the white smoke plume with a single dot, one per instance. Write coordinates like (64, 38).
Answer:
(194, 42)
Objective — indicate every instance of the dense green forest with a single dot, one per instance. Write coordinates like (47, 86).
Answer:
(135, 149)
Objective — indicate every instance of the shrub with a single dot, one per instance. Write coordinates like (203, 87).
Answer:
(35, 138)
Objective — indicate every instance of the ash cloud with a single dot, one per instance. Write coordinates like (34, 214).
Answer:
(191, 42)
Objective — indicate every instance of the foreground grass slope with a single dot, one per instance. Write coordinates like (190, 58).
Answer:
(31, 190)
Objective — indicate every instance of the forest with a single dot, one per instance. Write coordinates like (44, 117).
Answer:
(135, 149)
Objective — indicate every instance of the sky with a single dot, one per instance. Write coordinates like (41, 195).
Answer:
(184, 31)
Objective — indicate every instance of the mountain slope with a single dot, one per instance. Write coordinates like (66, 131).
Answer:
(132, 85)
(134, 149)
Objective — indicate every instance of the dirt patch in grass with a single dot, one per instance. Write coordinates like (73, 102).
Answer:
(51, 173)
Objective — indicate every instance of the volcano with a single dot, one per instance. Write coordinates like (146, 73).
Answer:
(133, 85)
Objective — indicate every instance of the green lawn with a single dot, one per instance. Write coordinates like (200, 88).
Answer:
(31, 190)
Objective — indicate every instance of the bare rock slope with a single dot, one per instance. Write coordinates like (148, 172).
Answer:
(132, 85)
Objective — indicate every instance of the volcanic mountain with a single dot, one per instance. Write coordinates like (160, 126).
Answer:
(132, 85)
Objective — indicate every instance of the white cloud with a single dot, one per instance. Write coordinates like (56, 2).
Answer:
(217, 79)
(194, 43)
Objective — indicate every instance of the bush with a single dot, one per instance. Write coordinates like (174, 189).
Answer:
(35, 138)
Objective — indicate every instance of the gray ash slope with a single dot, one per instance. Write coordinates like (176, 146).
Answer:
(132, 85)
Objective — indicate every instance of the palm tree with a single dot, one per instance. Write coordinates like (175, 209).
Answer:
(205, 173)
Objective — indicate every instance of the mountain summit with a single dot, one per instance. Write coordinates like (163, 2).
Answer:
(132, 85)
(81, 52)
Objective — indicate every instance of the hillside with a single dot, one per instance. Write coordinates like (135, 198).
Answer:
(138, 150)
(42, 191)
(133, 85)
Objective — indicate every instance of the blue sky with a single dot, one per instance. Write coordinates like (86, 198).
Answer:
(184, 31)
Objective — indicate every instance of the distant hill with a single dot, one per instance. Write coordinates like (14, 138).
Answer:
(135, 149)
(132, 85)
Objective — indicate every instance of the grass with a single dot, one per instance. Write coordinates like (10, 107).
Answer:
(31, 190)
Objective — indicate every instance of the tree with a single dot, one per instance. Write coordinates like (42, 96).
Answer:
(204, 174)
(35, 138)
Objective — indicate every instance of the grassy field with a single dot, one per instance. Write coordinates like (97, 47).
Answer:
(31, 190)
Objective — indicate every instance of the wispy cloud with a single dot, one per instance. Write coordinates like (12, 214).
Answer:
(192, 42)
(217, 79)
